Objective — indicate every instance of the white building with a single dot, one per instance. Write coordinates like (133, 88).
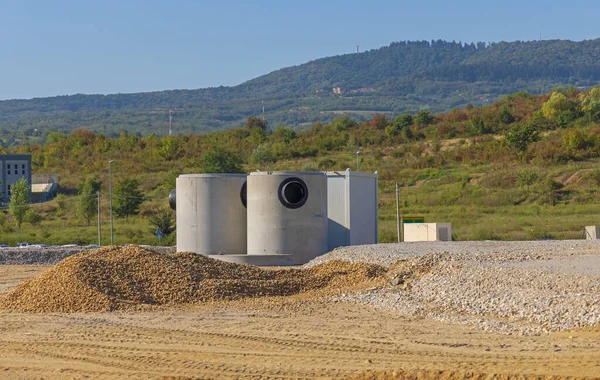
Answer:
(13, 167)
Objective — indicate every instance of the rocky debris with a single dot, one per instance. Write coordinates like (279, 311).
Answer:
(131, 277)
(511, 287)
(492, 251)
(51, 255)
(37, 255)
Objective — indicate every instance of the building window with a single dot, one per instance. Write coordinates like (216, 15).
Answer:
(23, 171)
(8, 166)
(23, 166)
(8, 170)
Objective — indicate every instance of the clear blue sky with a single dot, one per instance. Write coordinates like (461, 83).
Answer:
(108, 46)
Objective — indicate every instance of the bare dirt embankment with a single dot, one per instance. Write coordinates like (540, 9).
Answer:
(184, 316)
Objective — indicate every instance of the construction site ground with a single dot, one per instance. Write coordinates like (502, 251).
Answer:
(274, 337)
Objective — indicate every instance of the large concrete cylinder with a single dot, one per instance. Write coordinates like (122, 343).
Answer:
(287, 214)
(211, 213)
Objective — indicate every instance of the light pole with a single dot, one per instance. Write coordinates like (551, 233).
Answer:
(112, 234)
(357, 161)
(99, 221)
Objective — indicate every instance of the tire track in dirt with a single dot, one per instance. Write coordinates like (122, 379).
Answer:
(151, 357)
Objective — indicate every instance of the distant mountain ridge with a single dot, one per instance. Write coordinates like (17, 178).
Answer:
(402, 77)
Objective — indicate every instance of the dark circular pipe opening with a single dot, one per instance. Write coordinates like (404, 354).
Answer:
(293, 192)
(243, 194)
(172, 199)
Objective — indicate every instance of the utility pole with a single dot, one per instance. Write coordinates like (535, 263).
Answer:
(112, 233)
(397, 213)
(263, 109)
(170, 122)
(99, 228)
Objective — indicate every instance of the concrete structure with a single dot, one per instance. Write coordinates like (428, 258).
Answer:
(42, 192)
(211, 214)
(43, 187)
(288, 214)
(352, 208)
(287, 218)
(13, 167)
(428, 232)
(592, 232)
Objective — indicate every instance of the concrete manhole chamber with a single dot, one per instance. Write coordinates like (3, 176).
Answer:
(287, 216)
(211, 213)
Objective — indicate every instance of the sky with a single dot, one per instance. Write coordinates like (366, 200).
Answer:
(51, 47)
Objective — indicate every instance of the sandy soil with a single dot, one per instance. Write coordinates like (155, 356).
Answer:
(272, 338)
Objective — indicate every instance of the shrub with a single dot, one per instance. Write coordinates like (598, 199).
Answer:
(33, 217)
(262, 154)
(326, 163)
(219, 160)
(527, 177)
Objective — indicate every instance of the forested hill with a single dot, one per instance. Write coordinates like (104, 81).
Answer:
(401, 77)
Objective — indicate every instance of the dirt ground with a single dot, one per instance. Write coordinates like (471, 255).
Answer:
(272, 338)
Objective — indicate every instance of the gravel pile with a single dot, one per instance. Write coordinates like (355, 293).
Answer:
(114, 278)
(511, 287)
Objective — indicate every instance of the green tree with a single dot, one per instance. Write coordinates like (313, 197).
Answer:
(560, 109)
(255, 122)
(87, 204)
(257, 136)
(590, 104)
(262, 154)
(407, 133)
(219, 160)
(283, 134)
(170, 148)
(575, 139)
(505, 117)
(19, 201)
(164, 220)
(423, 118)
(342, 124)
(55, 137)
(477, 126)
(402, 121)
(127, 197)
(521, 136)
(392, 130)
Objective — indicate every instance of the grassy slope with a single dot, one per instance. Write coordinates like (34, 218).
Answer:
(471, 182)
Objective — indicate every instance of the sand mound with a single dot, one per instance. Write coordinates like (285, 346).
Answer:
(116, 278)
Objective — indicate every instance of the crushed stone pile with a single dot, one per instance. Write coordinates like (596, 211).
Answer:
(131, 277)
(525, 288)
